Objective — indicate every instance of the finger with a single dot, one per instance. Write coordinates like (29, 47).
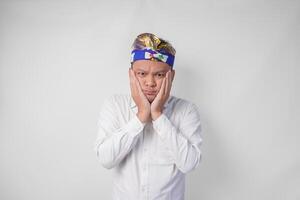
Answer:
(130, 75)
(133, 87)
(167, 83)
(138, 86)
(168, 89)
(134, 77)
(162, 88)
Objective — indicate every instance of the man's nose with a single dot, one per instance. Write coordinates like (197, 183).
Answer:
(150, 81)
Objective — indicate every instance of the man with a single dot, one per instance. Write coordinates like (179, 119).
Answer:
(150, 138)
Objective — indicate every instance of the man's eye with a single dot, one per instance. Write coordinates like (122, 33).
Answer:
(160, 75)
(141, 73)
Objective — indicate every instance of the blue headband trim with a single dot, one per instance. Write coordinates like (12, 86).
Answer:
(150, 54)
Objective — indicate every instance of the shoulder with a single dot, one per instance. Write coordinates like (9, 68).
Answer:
(117, 99)
(184, 105)
(182, 102)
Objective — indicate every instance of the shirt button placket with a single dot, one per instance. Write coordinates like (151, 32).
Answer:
(144, 175)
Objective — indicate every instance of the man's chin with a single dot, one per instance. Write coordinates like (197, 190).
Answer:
(150, 98)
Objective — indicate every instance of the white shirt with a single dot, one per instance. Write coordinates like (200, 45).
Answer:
(150, 160)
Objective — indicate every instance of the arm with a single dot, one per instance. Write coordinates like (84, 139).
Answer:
(113, 142)
(184, 143)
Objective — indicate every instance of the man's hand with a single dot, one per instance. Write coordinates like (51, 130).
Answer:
(144, 111)
(162, 96)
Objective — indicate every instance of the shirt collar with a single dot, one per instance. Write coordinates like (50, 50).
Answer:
(132, 103)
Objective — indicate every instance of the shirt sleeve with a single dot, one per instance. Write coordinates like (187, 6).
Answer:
(183, 142)
(113, 141)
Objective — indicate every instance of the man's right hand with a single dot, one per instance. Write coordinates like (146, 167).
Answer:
(144, 107)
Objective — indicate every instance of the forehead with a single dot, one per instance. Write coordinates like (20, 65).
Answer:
(148, 65)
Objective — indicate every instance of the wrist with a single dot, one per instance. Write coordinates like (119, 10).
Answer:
(155, 115)
(144, 118)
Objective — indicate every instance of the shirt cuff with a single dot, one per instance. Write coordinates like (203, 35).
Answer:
(162, 126)
(134, 126)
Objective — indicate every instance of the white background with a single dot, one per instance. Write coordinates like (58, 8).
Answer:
(237, 60)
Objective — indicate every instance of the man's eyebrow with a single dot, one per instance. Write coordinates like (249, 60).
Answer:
(163, 70)
(143, 70)
(155, 72)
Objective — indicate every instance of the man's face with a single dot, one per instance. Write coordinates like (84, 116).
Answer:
(150, 75)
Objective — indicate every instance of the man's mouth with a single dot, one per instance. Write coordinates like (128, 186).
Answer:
(149, 92)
